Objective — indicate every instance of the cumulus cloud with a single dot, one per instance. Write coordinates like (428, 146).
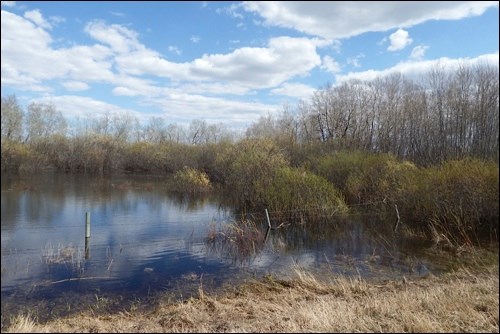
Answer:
(80, 106)
(195, 39)
(254, 67)
(261, 67)
(36, 17)
(341, 19)
(119, 38)
(399, 40)
(296, 90)
(330, 65)
(417, 68)
(418, 52)
(27, 53)
(182, 107)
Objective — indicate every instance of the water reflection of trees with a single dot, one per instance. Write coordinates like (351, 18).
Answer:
(40, 201)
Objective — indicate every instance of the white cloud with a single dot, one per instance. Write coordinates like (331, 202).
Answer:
(133, 86)
(55, 20)
(296, 90)
(79, 106)
(36, 17)
(336, 45)
(330, 65)
(124, 91)
(354, 61)
(261, 67)
(27, 56)
(418, 52)
(181, 108)
(341, 19)
(174, 49)
(28, 60)
(399, 40)
(195, 39)
(119, 38)
(75, 86)
(254, 67)
(417, 68)
(232, 10)
(215, 88)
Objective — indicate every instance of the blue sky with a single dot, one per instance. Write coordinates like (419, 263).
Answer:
(228, 62)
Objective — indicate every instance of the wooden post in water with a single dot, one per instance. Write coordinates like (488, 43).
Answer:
(87, 235)
(398, 220)
(267, 218)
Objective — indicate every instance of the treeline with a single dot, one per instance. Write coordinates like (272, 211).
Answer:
(443, 115)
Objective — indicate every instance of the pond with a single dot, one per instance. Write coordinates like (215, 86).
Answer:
(144, 239)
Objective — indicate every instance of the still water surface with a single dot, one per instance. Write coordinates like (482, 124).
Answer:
(144, 239)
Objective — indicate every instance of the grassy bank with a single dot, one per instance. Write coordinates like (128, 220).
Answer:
(463, 301)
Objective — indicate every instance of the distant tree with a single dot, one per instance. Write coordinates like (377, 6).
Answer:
(155, 131)
(44, 120)
(12, 119)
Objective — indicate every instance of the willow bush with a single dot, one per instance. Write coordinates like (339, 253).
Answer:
(459, 198)
(248, 168)
(364, 177)
(143, 157)
(14, 156)
(297, 193)
(191, 181)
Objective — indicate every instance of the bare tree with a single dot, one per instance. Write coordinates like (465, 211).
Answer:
(12, 119)
(43, 121)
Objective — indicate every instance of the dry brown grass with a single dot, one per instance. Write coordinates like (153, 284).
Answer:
(459, 302)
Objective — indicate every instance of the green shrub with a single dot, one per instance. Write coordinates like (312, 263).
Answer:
(192, 181)
(459, 198)
(14, 156)
(248, 169)
(365, 177)
(297, 193)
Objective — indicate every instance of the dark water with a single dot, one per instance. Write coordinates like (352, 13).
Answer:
(144, 239)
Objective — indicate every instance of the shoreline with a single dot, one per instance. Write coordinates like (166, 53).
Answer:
(466, 300)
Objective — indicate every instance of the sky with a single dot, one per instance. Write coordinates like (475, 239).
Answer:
(226, 62)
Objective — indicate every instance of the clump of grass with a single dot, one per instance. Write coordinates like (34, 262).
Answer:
(64, 255)
(239, 239)
(192, 181)
(22, 324)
